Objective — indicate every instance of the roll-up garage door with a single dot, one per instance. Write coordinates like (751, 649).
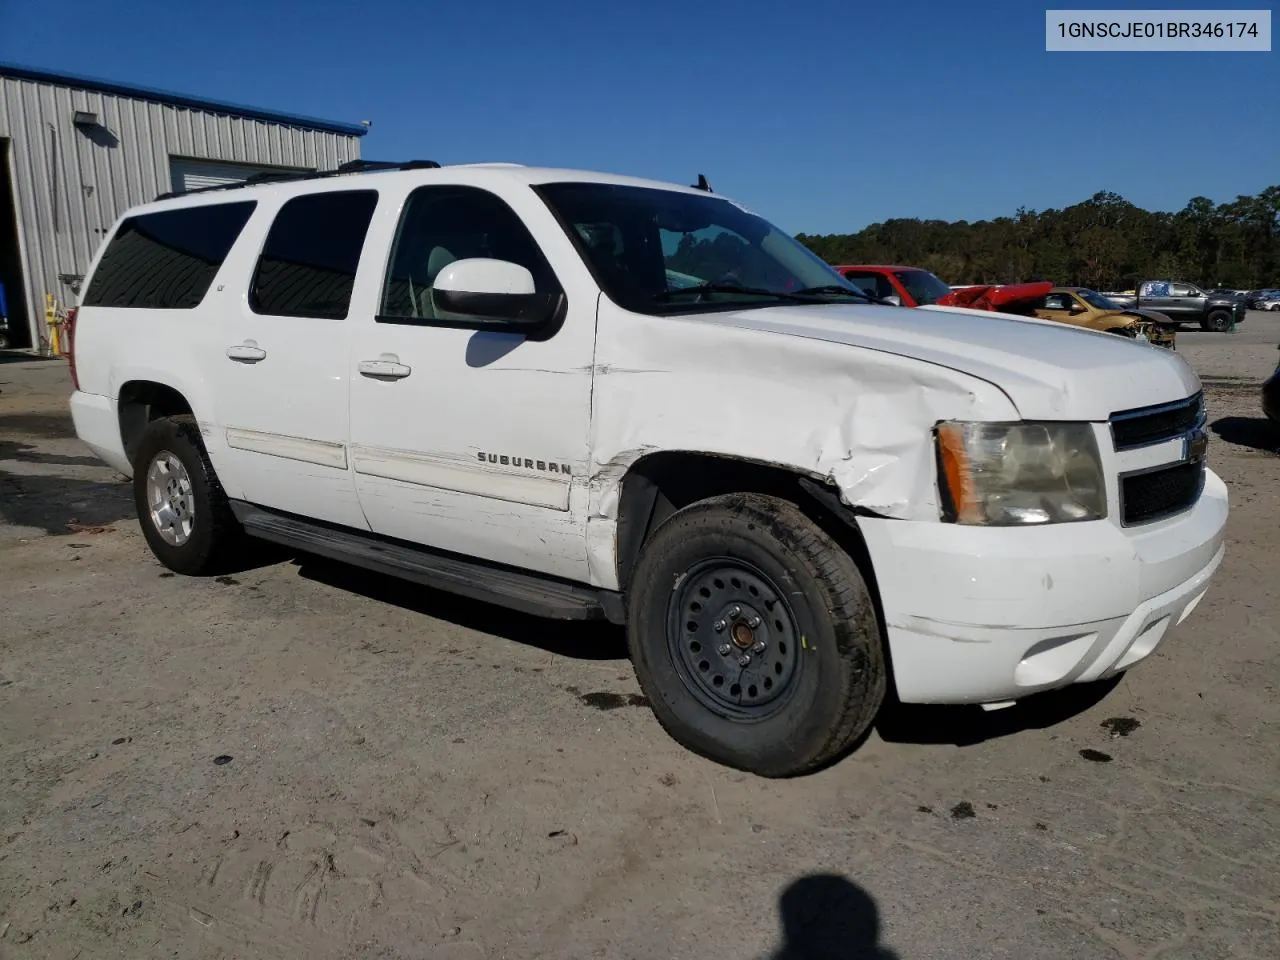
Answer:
(198, 174)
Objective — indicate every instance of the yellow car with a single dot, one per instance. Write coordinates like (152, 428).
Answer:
(1082, 307)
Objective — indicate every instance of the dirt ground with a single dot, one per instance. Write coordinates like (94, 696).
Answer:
(303, 761)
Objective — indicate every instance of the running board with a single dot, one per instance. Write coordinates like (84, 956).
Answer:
(514, 589)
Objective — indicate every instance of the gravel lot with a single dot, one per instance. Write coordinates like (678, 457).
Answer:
(306, 761)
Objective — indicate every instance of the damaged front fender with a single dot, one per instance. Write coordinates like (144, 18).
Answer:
(858, 419)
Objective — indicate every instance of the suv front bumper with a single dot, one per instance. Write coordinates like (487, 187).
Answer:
(985, 615)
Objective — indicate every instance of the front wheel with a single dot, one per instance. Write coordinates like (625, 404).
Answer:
(182, 508)
(1218, 321)
(754, 636)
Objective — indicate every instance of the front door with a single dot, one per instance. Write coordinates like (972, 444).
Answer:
(465, 439)
(1057, 306)
(282, 384)
(1185, 302)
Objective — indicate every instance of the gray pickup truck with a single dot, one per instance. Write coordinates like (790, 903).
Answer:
(1185, 303)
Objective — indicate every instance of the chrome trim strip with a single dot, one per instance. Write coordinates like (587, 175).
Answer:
(1195, 400)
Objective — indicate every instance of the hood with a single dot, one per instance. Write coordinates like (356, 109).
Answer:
(1124, 315)
(1049, 370)
(1155, 316)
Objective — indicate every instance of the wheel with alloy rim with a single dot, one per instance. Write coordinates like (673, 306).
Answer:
(182, 509)
(170, 498)
(754, 636)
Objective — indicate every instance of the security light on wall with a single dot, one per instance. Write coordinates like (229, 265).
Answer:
(85, 118)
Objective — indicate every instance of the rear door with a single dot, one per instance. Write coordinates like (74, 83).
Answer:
(281, 373)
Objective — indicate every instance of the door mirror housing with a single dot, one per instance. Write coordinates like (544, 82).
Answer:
(1076, 307)
(493, 290)
(894, 299)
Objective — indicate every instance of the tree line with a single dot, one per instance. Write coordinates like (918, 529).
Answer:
(1106, 243)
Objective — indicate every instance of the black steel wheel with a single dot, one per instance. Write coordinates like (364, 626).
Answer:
(754, 636)
(1218, 321)
(734, 639)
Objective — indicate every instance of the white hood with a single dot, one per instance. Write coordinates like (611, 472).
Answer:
(1050, 371)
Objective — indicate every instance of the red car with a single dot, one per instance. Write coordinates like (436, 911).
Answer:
(910, 286)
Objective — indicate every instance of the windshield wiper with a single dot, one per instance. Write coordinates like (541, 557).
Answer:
(668, 295)
(834, 289)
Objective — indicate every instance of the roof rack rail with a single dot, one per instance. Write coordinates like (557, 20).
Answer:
(271, 176)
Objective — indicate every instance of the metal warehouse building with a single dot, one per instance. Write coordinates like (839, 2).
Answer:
(75, 153)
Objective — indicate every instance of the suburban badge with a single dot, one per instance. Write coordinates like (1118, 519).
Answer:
(545, 466)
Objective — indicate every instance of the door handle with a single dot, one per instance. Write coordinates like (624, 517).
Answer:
(247, 352)
(386, 367)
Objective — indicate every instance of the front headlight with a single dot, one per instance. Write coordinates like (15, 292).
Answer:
(1005, 474)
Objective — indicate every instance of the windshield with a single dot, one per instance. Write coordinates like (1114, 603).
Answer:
(923, 286)
(1095, 299)
(661, 251)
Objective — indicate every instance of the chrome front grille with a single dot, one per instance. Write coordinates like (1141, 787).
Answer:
(1163, 490)
(1150, 495)
(1147, 425)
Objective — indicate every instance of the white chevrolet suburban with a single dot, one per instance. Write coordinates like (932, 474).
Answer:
(590, 396)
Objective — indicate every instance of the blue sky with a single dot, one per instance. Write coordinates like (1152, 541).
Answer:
(821, 116)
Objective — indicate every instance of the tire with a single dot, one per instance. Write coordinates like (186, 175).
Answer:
(819, 673)
(1218, 321)
(204, 536)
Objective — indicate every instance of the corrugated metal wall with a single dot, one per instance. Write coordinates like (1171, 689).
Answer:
(71, 183)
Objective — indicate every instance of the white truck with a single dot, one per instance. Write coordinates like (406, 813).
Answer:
(501, 381)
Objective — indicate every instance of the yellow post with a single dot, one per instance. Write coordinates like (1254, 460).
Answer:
(54, 322)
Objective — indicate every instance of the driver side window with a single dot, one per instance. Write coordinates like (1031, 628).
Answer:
(1057, 301)
(1180, 290)
(440, 225)
(875, 284)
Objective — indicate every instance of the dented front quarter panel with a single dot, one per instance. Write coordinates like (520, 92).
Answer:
(858, 419)
(847, 394)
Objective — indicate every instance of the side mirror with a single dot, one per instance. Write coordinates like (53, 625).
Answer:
(1076, 308)
(496, 290)
(894, 299)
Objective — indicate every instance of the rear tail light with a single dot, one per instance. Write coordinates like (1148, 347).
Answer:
(69, 325)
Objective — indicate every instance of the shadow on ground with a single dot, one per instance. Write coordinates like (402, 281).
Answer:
(16, 356)
(44, 426)
(566, 638)
(897, 722)
(1256, 433)
(968, 725)
(51, 503)
(26, 453)
(825, 916)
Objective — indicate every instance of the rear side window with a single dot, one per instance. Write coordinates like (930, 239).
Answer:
(166, 260)
(308, 264)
